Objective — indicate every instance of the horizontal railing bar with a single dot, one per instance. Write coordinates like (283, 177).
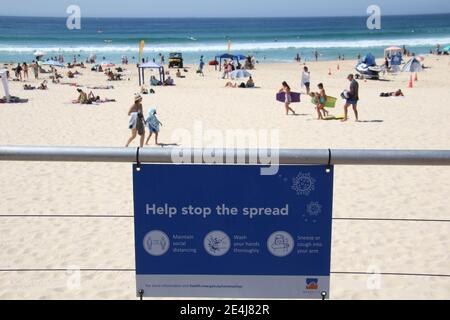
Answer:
(134, 270)
(232, 156)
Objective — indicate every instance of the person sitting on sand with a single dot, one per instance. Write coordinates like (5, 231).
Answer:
(43, 85)
(179, 75)
(70, 75)
(250, 83)
(288, 99)
(153, 125)
(144, 90)
(136, 124)
(169, 82)
(82, 98)
(154, 81)
(398, 93)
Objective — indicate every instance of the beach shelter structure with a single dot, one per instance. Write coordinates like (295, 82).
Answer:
(229, 57)
(150, 65)
(4, 79)
(413, 65)
(391, 51)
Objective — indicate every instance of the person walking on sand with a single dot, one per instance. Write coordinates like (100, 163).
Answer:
(153, 125)
(25, 71)
(306, 80)
(201, 66)
(321, 98)
(288, 99)
(18, 72)
(35, 68)
(136, 124)
(353, 98)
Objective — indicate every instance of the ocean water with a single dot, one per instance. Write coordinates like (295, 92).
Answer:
(269, 39)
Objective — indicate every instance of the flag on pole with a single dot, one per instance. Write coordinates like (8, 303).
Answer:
(141, 50)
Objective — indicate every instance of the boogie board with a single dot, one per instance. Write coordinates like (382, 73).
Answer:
(331, 102)
(295, 97)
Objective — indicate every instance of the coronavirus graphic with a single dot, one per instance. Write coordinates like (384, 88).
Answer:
(314, 209)
(303, 184)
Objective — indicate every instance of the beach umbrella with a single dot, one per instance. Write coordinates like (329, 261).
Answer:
(53, 63)
(39, 53)
(239, 74)
(413, 65)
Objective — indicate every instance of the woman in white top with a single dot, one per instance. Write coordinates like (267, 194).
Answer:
(306, 80)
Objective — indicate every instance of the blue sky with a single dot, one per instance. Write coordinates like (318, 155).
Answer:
(214, 8)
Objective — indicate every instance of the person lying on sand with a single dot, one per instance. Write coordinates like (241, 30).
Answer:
(101, 87)
(28, 87)
(397, 93)
(93, 98)
(230, 84)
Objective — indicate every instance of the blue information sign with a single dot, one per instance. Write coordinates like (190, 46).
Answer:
(227, 231)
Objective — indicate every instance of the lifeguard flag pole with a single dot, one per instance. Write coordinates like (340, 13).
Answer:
(141, 50)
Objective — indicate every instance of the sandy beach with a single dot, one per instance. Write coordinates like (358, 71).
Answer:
(417, 121)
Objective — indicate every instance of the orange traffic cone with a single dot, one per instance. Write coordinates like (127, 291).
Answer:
(411, 82)
(416, 78)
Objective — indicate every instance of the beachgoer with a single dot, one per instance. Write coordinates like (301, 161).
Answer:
(230, 84)
(250, 83)
(25, 70)
(353, 98)
(35, 68)
(136, 124)
(306, 79)
(18, 72)
(43, 85)
(316, 55)
(82, 98)
(321, 99)
(288, 99)
(398, 93)
(201, 66)
(153, 125)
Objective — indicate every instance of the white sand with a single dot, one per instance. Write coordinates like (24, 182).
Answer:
(417, 121)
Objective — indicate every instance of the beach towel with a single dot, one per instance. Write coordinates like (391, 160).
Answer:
(152, 121)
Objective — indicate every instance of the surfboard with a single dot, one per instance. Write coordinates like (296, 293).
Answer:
(295, 97)
(331, 102)
(334, 118)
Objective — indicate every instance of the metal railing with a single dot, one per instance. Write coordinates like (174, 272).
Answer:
(240, 156)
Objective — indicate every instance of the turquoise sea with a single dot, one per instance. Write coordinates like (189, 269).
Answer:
(269, 39)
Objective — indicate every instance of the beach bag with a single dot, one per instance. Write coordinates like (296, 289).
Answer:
(140, 125)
